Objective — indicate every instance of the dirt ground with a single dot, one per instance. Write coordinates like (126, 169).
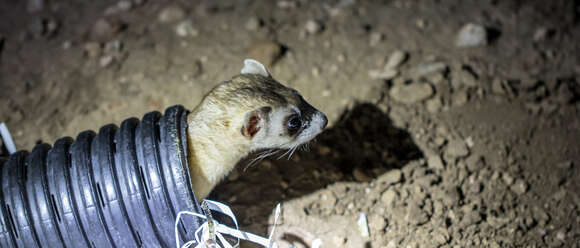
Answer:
(441, 141)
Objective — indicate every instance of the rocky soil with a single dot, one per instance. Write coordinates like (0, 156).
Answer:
(453, 123)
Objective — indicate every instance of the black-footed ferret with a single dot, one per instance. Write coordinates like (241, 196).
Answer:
(250, 112)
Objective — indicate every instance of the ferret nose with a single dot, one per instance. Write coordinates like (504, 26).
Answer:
(324, 121)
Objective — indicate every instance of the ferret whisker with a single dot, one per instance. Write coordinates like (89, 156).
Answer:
(292, 151)
(283, 155)
(261, 156)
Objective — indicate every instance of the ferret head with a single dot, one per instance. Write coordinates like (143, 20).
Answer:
(264, 113)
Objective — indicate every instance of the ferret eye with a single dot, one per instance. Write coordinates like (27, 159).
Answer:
(294, 123)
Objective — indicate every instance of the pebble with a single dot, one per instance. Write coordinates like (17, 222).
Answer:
(389, 197)
(377, 223)
(520, 187)
(185, 28)
(474, 163)
(467, 78)
(435, 162)
(456, 148)
(565, 94)
(391, 177)
(104, 28)
(507, 179)
(375, 38)
(286, 4)
(541, 34)
(92, 49)
(313, 27)
(383, 74)
(119, 7)
(475, 187)
(440, 236)
(253, 24)
(434, 105)
(411, 93)
(114, 46)
(416, 216)
(265, 51)
(565, 165)
(427, 69)
(471, 35)
(396, 59)
(171, 13)
(460, 98)
(106, 60)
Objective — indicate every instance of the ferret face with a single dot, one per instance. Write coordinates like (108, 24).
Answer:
(275, 116)
(290, 125)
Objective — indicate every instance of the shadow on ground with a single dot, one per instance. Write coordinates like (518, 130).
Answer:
(362, 145)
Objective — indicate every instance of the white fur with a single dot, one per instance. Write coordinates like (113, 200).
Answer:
(254, 67)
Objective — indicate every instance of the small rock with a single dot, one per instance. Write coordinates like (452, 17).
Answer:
(265, 51)
(171, 13)
(104, 28)
(460, 98)
(287, 4)
(114, 46)
(435, 162)
(313, 27)
(121, 6)
(468, 78)
(416, 216)
(185, 28)
(474, 163)
(92, 49)
(392, 244)
(396, 59)
(475, 187)
(427, 69)
(383, 74)
(434, 105)
(507, 179)
(456, 148)
(377, 224)
(67, 44)
(542, 33)
(411, 93)
(439, 237)
(565, 94)
(540, 216)
(469, 142)
(471, 35)
(375, 38)
(391, 177)
(389, 197)
(519, 187)
(254, 23)
(106, 60)
(565, 165)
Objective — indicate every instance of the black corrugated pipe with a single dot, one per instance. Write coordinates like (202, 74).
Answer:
(122, 187)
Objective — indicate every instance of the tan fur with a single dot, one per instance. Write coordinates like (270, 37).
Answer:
(215, 141)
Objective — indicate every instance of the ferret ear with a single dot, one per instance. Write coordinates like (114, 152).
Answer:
(254, 121)
(254, 67)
